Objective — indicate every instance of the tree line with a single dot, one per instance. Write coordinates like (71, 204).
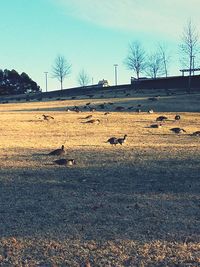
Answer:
(153, 65)
(11, 82)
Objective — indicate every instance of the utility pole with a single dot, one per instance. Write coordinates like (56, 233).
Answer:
(46, 72)
(193, 64)
(115, 65)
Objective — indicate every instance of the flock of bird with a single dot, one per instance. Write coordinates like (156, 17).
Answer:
(160, 122)
(61, 152)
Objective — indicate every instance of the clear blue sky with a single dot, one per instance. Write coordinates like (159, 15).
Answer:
(91, 34)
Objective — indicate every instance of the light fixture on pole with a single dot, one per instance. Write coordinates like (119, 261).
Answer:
(46, 72)
(115, 65)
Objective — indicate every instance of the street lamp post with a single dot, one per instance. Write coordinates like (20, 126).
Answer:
(115, 65)
(193, 63)
(46, 72)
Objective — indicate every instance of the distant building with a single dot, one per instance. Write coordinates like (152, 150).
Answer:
(103, 83)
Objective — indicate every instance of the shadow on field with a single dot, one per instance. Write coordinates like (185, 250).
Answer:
(102, 199)
(122, 103)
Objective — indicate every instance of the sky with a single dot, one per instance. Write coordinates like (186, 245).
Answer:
(91, 34)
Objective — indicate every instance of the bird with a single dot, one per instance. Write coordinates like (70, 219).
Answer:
(161, 118)
(66, 162)
(94, 121)
(106, 113)
(177, 130)
(177, 117)
(112, 141)
(150, 111)
(156, 125)
(76, 109)
(122, 140)
(57, 152)
(47, 117)
(197, 133)
(88, 117)
(119, 108)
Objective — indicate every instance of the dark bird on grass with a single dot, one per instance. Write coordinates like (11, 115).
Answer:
(177, 117)
(122, 140)
(47, 117)
(197, 133)
(177, 130)
(88, 117)
(66, 162)
(57, 152)
(113, 141)
(106, 113)
(119, 108)
(156, 125)
(76, 109)
(161, 118)
(102, 106)
(94, 121)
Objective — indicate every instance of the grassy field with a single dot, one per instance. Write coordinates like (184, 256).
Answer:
(131, 205)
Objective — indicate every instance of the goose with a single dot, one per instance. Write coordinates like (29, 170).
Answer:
(66, 162)
(131, 107)
(88, 117)
(47, 117)
(119, 108)
(156, 125)
(57, 152)
(177, 117)
(177, 130)
(150, 111)
(112, 141)
(161, 118)
(197, 133)
(122, 140)
(94, 121)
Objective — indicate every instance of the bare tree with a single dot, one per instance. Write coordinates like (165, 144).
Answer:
(189, 45)
(136, 59)
(83, 78)
(61, 69)
(154, 65)
(165, 58)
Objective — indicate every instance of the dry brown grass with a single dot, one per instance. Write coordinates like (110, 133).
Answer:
(131, 205)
